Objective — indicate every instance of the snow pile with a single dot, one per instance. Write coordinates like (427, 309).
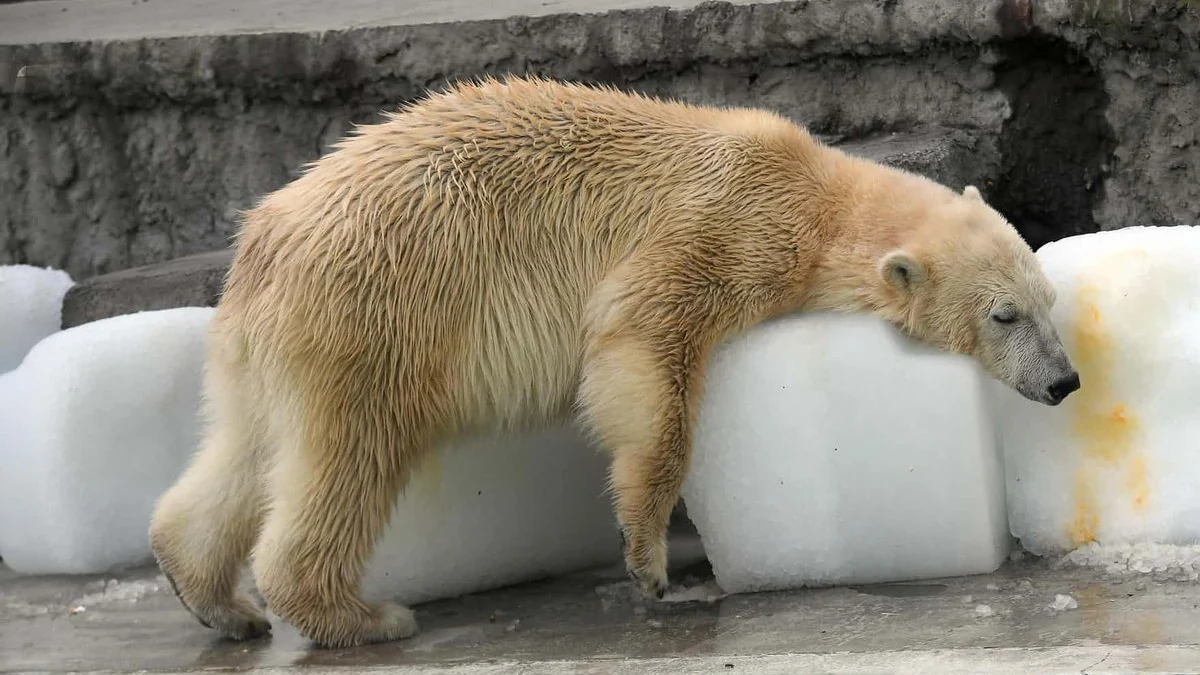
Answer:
(830, 449)
(494, 512)
(1063, 603)
(98, 420)
(709, 591)
(1117, 462)
(30, 309)
(1122, 562)
(112, 591)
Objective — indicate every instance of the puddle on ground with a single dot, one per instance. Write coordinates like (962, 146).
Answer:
(900, 590)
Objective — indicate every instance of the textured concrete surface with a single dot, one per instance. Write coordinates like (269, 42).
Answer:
(120, 153)
(75, 21)
(952, 157)
(121, 145)
(1055, 661)
(1147, 56)
(591, 623)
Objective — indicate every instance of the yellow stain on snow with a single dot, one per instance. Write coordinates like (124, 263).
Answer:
(1136, 483)
(1085, 520)
(1105, 427)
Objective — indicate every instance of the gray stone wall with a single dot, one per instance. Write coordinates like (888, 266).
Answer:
(115, 154)
(1147, 56)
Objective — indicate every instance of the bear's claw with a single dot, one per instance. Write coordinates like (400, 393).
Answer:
(648, 571)
(243, 620)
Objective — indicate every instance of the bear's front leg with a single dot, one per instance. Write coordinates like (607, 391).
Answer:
(633, 401)
(641, 381)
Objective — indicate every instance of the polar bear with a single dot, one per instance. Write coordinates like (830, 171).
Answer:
(511, 253)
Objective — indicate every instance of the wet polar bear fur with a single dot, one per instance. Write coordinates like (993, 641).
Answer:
(504, 255)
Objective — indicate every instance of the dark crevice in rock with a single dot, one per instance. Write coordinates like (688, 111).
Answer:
(1056, 143)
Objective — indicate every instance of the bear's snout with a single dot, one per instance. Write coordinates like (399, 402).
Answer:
(1058, 391)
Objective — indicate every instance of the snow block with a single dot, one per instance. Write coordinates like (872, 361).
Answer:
(97, 422)
(830, 449)
(486, 513)
(1116, 464)
(31, 300)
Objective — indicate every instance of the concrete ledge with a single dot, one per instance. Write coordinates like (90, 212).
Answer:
(950, 157)
(191, 281)
(112, 50)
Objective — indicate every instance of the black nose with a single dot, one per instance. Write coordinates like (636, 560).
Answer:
(1063, 388)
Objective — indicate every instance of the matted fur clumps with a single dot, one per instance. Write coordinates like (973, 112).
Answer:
(494, 258)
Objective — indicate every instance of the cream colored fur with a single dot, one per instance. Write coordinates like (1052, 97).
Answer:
(498, 257)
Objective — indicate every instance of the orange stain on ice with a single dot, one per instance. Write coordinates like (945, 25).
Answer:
(1105, 427)
(1085, 520)
(1136, 484)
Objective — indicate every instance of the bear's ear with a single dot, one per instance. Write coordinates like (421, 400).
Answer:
(901, 271)
(972, 192)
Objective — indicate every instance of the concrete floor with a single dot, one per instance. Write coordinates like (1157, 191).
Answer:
(591, 623)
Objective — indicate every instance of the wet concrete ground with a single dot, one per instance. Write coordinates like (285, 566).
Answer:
(592, 623)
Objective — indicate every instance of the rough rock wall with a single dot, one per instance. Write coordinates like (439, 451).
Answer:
(1147, 57)
(124, 153)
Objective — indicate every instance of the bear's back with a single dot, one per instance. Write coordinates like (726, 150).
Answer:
(512, 177)
(475, 224)
(521, 158)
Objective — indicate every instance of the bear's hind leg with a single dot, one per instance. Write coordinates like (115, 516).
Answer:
(204, 526)
(332, 490)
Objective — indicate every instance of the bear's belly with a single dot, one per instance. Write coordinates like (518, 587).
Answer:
(521, 362)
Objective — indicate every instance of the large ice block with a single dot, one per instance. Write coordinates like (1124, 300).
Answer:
(487, 513)
(30, 309)
(100, 419)
(96, 422)
(830, 449)
(1118, 462)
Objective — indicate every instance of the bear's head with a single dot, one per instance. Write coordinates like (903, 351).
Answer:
(967, 282)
